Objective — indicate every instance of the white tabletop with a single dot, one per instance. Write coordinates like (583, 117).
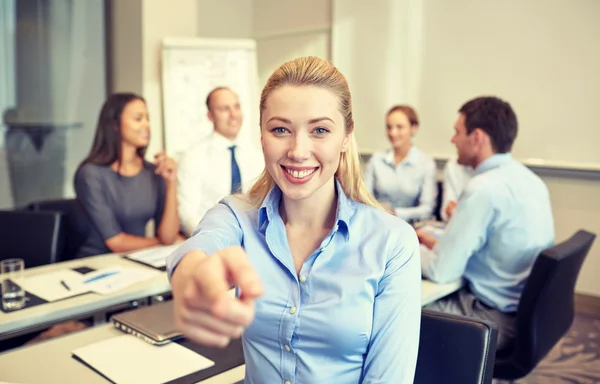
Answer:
(431, 292)
(50, 362)
(54, 364)
(83, 304)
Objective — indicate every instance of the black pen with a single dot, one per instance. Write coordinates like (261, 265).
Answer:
(65, 285)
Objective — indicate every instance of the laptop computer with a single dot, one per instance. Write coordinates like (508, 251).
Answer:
(154, 324)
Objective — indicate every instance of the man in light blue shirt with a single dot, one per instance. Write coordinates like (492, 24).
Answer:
(502, 222)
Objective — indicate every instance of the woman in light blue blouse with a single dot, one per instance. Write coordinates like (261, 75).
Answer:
(402, 178)
(328, 283)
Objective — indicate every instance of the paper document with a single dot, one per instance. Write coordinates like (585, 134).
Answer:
(127, 359)
(156, 257)
(54, 286)
(109, 280)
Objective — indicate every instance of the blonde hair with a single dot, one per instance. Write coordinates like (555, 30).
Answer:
(313, 71)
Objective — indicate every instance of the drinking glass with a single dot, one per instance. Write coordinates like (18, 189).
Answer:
(11, 277)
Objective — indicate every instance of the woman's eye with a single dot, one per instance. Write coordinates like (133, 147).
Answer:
(321, 131)
(279, 130)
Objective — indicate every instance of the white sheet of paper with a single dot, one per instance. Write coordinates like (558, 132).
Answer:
(127, 359)
(119, 278)
(48, 287)
(156, 257)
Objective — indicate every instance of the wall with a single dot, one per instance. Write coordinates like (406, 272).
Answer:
(280, 38)
(225, 18)
(125, 46)
(543, 60)
(378, 50)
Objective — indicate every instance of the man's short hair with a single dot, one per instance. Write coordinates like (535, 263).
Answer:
(495, 117)
(210, 95)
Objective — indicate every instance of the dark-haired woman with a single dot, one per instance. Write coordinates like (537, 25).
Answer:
(119, 190)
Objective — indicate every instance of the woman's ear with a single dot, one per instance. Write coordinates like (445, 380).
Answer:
(413, 129)
(346, 142)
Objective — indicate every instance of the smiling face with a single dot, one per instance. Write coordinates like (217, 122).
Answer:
(302, 135)
(225, 113)
(135, 124)
(399, 130)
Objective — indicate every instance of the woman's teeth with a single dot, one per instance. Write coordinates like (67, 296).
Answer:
(300, 174)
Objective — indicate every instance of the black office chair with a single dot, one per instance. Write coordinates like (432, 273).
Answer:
(31, 236)
(546, 309)
(437, 211)
(455, 349)
(76, 223)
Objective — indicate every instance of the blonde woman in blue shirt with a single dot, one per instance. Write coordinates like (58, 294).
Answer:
(403, 177)
(328, 282)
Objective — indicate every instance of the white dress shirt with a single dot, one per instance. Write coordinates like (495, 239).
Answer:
(456, 178)
(204, 175)
(408, 187)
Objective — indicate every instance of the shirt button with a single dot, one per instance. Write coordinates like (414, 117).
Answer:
(287, 347)
(302, 278)
(293, 310)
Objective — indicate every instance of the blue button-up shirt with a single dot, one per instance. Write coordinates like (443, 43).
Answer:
(352, 314)
(502, 222)
(409, 187)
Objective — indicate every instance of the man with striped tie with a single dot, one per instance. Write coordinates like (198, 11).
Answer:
(217, 165)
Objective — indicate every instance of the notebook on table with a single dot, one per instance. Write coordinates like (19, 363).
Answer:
(155, 257)
(126, 359)
(154, 324)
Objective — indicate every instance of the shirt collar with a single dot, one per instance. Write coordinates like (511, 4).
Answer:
(493, 161)
(410, 159)
(221, 141)
(344, 211)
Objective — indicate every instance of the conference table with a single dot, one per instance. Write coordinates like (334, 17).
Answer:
(87, 305)
(54, 364)
(99, 307)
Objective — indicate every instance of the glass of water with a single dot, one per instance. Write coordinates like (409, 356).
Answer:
(11, 277)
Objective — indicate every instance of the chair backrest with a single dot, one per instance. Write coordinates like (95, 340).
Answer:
(437, 211)
(455, 349)
(76, 223)
(31, 236)
(546, 308)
